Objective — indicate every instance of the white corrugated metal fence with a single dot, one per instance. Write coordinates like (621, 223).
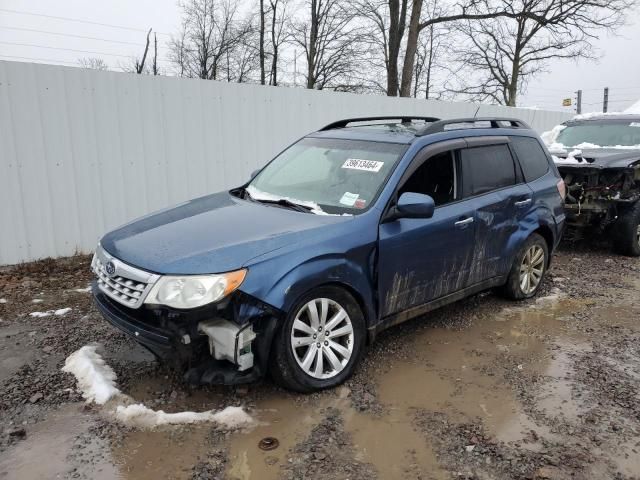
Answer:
(83, 151)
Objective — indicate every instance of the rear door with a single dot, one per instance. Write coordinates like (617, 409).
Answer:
(501, 198)
(542, 176)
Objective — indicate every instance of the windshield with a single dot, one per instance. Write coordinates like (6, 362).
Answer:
(328, 175)
(604, 133)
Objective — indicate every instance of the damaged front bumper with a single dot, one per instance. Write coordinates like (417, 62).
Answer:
(226, 343)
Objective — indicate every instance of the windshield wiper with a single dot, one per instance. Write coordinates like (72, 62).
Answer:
(286, 203)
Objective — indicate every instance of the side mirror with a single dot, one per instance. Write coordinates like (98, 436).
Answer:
(414, 205)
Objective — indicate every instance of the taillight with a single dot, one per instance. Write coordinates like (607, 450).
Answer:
(562, 189)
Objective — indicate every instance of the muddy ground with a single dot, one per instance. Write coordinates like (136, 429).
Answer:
(485, 388)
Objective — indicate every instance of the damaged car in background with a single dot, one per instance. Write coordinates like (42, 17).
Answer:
(354, 228)
(598, 157)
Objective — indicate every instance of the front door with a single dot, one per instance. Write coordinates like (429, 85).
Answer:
(424, 259)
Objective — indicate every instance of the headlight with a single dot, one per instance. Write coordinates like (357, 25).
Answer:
(191, 291)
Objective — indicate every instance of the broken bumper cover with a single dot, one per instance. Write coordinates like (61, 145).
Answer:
(228, 343)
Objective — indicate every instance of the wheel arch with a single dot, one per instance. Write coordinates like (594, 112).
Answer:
(545, 232)
(350, 289)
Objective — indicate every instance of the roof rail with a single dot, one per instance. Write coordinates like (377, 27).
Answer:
(402, 118)
(494, 122)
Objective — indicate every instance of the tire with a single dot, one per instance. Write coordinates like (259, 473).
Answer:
(626, 234)
(287, 363)
(514, 289)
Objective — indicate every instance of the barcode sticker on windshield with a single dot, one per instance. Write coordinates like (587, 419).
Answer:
(359, 164)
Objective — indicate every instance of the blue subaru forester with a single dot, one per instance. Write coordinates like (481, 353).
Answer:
(359, 226)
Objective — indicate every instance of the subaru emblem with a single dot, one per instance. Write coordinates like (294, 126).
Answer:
(110, 268)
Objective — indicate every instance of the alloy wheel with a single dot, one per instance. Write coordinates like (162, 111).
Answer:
(531, 269)
(322, 338)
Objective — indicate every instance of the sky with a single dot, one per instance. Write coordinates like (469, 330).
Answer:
(28, 31)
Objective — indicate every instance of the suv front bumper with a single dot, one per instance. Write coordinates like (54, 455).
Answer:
(175, 338)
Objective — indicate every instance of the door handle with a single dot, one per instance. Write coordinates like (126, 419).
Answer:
(462, 223)
(523, 203)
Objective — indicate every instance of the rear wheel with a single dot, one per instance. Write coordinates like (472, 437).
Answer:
(320, 342)
(528, 269)
(626, 238)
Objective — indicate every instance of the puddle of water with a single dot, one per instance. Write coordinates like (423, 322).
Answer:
(160, 454)
(454, 379)
(555, 396)
(46, 451)
(391, 444)
(282, 418)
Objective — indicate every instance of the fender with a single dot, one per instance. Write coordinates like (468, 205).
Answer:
(352, 270)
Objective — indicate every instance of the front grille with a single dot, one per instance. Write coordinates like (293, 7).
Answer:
(125, 284)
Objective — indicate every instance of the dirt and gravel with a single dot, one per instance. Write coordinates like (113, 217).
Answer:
(482, 389)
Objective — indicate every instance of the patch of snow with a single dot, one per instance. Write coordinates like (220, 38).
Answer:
(315, 208)
(83, 290)
(587, 116)
(634, 109)
(37, 300)
(48, 313)
(96, 379)
(3, 300)
(550, 137)
(585, 146)
(554, 297)
(570, 160)
(140, 416)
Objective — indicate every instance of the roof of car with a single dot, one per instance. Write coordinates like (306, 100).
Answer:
(408, 129)
(392, 133)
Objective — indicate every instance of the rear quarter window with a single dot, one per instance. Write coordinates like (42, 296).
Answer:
(532, 157)
(487, 168)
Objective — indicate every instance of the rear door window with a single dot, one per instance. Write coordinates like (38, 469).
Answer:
(487, 168)
(532, 157)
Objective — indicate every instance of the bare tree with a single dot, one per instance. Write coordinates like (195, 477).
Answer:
(140, 63)
(385, 24)
(261, 43)
(178, 55)
(428, 62)
(154, 68)
(400, 23)
(500, 55)
(209, 34)
(430, 53)
(243, 60)
(279, 35)
(93, 63)
(327, 38)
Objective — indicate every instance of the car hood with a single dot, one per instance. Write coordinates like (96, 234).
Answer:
(599, 158)
(212, 234)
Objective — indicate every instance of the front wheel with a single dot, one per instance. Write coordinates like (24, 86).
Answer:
(320, 342)
(528, 269)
